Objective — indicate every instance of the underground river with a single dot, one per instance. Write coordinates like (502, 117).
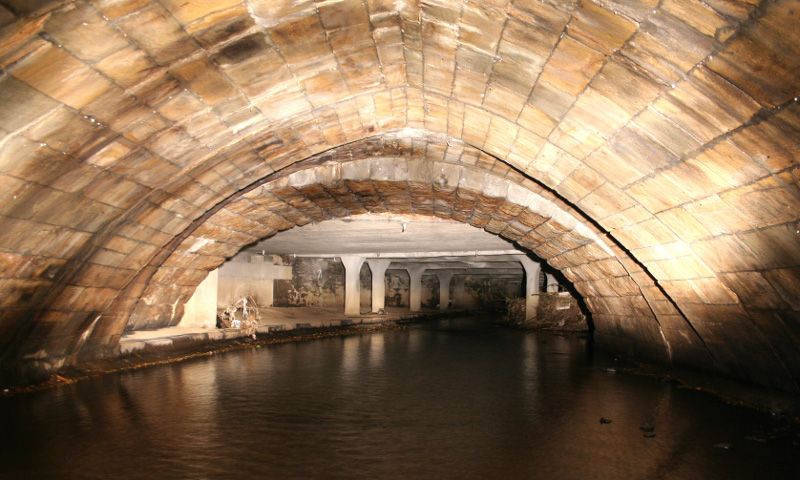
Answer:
(453, 399)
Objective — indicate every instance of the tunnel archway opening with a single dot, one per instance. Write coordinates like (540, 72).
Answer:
(406, 171)
(422, 264)
(401, 178)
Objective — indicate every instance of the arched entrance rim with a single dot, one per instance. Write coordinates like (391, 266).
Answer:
(302, 169)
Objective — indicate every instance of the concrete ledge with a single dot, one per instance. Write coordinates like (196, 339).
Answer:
(166, 338)
(287, 321)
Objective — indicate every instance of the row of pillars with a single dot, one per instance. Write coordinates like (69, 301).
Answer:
(352, 287)
(352, 291)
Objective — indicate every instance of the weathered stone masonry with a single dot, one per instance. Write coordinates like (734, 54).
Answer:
(668, 132)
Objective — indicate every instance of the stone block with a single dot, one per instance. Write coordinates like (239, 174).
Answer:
(664, 131)
(158, 33)
(205, 80)
(552, 165)
(626, 86)
(763, 60)
(571, 66)
(20, 104)
(599, 28)
(580, 183)
(773, 142)
(604, 201)
(503, 101)
(717, 216)
(502, 136)
(683, 224)
(712, 291)
(786, 282)
(83, 299)
(726, 253)
(78, 26)
(774, 247)
(753, 290)
(481, 26)
(765, 203)
(696, 14)
(667, 47)
(534, 119)
(187, 12)
(627, 217)
(550, 101)
(114, 9)
(61, 76)
(20, 38)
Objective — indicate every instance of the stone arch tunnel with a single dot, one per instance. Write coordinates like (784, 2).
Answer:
(646, 149)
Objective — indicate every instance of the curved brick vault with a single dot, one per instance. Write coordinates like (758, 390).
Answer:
(670, 130)
(422, 177)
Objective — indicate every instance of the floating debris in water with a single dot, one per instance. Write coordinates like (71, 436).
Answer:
(647, 428)
(723, 446)
(754, 438)
(611, 370)
(605, 421)
(649, 434)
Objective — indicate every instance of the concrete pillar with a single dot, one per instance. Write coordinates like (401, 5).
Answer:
(531, 287)
(415, 288)
(201, 309)
(444, 289)
(352, 284)
(378, 268)
(552, 283)
(459, 292)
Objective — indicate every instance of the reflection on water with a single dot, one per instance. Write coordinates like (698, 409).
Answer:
(455, 399)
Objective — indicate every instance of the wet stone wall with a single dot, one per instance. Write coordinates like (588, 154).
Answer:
(320, 282)
(559, 311)
(316, 282)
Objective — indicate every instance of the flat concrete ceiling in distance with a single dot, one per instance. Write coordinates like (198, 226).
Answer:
(383, 234)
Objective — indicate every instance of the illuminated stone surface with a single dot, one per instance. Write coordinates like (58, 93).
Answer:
(649, 150)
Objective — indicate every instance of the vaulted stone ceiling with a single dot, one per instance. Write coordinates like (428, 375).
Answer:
(669, 130)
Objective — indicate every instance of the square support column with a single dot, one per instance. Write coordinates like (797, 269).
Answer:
(352, 284)
(415, 288)
(531, 287)
(444, 289)
(460, 292)
(378, 268)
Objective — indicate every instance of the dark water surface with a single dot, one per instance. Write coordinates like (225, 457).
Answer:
(454, 399)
